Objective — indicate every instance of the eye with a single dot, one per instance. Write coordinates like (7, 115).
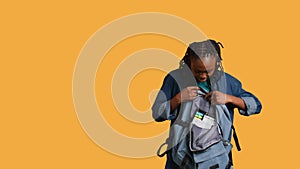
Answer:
(201, 72)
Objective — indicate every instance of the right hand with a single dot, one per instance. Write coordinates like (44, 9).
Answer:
(188, 93)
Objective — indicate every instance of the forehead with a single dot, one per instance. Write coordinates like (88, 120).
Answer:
(204, 63)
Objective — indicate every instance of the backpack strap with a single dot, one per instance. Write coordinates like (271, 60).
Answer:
(235, 137)
(160, 147)
(236, 140)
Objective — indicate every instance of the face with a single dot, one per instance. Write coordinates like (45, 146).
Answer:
(203, 68)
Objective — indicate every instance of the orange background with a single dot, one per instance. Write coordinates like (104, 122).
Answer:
(40, 42)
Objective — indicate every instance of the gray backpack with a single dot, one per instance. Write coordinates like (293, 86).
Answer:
(204, 139)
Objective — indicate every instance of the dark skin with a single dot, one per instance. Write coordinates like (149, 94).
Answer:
(202, 69)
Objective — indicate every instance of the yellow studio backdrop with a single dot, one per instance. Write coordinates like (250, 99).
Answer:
(40, 45)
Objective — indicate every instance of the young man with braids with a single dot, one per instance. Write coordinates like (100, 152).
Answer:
(200, 89)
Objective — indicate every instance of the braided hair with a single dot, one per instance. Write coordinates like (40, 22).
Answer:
(207, 48)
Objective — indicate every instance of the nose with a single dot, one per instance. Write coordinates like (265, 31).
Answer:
(203, 77)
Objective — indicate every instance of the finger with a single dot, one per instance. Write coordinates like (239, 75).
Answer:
(208, 95)
(193, 94)
(193, 88)
(214, 94)
(193, 97)
(213, 102)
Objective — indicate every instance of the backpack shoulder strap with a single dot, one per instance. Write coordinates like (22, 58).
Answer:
(236, 139)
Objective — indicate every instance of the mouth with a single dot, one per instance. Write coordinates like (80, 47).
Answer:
(202, 80)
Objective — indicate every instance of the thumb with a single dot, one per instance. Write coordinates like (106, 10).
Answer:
(208, 96)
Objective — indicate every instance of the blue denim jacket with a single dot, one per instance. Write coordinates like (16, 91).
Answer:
(177, 80)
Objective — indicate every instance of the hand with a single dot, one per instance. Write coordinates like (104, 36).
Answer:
(217, 97)
(188, 93)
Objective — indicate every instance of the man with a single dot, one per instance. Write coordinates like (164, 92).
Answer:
(201, 74)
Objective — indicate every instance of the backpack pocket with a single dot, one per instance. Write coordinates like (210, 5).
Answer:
(204, 133)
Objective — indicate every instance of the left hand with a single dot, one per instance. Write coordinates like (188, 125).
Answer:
(217, 97)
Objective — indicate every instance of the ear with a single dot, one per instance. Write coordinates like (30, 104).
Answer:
(218, 63)
(219, 66)
(187, 61)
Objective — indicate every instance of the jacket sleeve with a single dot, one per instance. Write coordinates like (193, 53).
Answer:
(161, 109)
(253, 105)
